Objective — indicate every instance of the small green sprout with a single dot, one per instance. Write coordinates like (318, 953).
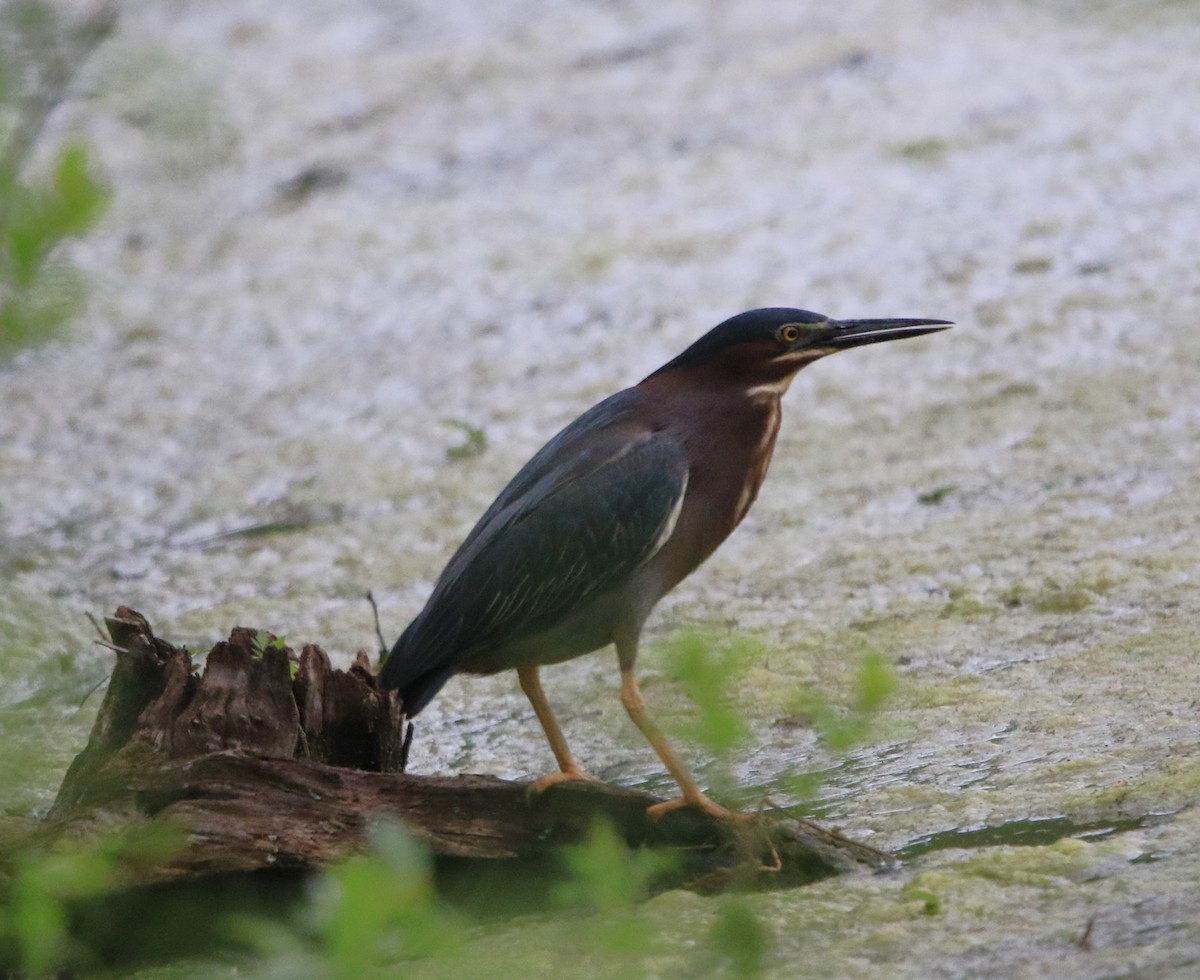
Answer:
(932, 904)
(932, 498)
(264, 641)
(474, 445)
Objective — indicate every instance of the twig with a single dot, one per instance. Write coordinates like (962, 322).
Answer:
(383, 647)
(1085, 941)
(103, 641)
(95, 687)
(96, 624)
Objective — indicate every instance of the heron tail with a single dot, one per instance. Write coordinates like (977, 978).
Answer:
(413, 678)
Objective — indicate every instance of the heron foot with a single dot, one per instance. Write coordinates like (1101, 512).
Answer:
(574, 774)
(698, 800)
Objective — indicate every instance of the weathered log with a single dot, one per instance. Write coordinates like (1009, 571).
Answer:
(263, 769)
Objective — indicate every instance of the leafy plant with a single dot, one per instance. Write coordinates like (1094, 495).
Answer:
(842, 729)
(264, 641)
(605, 873)
(607, 877)
(739, 937)
(38, 291)
(365, 915)
(43, 888)
(707, 672)
(474, 444)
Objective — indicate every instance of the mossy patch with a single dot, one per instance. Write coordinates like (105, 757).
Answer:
(1035, 866)
(1033, 265)
(1063, 601)
(964, 606)
(931, 149)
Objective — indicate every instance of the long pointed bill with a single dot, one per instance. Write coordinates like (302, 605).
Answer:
(844, 334)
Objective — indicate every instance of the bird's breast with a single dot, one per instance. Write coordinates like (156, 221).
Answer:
(757, 463)
(729, 452)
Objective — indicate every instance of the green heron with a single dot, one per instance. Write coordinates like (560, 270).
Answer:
(612, 513)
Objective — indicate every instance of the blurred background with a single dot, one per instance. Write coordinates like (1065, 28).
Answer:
(290, 291)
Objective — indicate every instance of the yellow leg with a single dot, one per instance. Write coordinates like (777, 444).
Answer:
(631, 697)
(532, 686)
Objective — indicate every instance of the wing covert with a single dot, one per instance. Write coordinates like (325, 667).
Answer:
(573, 533)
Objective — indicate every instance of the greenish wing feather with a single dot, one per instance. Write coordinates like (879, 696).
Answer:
(552, 549)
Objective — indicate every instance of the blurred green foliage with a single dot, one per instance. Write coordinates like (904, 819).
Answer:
(739, 937)
(708, 671)
(381, 907)
(39, 291)
(607, 878)
(843, 728)
(604, 874)
(474, 444)
(40, 889)
(365, 915)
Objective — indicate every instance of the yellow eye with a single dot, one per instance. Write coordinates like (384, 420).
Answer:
(789, 333)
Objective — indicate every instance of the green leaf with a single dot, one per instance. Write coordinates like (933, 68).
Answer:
(707, 675)
(81, 199)
(34, 220)
(605, 874)
(932, 904)
(380, 907)
(876, 683)
(840, 729)
(740, 937)
(35, 915)
(475, 444)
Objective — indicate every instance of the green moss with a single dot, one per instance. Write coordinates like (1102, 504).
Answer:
(935, 496)
(595, 265)
(474, 444)
(1040, 229)
(1063, 601)
(962, 606)
(1070, 768)
(928, 150)
(930, 904)
(952, 693)
(1030, 865)
(17, 564)
(1033, 265)
(1176, 784)
(1101, 585)
(1056, 598)
(1014, 595)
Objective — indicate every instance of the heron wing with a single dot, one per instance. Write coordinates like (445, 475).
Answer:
(577, 449)
(596, 506)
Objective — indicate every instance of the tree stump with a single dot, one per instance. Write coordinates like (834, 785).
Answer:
(269, 760)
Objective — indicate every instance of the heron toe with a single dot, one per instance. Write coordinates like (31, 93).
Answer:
(700, 801)
(565, 776)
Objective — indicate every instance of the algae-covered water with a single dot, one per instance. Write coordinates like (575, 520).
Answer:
(343, 239)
